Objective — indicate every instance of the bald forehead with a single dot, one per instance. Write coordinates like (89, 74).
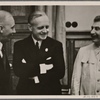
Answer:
(4, 16)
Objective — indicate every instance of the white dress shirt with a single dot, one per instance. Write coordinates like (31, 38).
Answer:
(1, 45)
(39, 42)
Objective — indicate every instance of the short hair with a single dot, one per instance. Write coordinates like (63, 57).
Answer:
(35, 14)
(97, 18)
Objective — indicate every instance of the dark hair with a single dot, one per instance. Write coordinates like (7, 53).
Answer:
(35, 15)
(97, 18)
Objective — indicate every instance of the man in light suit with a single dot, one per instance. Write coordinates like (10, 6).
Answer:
(38, 59)
(7, 27)
(86, 73)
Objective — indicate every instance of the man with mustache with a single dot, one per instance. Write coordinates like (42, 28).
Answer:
(86, 73)
(38, 59)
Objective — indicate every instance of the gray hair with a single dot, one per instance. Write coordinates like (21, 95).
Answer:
(35, 14)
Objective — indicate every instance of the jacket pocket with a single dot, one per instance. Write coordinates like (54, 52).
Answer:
(85, 68)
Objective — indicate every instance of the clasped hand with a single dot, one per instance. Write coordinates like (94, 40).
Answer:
(45, 67)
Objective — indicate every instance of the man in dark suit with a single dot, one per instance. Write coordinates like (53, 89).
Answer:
(38, 59)
(7, 24)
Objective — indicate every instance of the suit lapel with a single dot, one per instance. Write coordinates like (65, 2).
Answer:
(44, 49)
(32, 52)
(6, 67)
(30, 47)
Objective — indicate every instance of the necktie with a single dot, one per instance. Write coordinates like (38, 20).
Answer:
(37, 45)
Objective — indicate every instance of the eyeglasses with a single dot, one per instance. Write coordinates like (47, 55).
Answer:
(96, 28)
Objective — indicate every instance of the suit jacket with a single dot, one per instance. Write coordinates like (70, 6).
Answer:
(86, 72)
(48, 83)
(4, 78)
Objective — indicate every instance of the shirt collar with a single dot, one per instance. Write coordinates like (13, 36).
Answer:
(97, 50)
(40, 42)
(1, 45)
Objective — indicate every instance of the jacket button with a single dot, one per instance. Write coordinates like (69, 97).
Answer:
(98, 80)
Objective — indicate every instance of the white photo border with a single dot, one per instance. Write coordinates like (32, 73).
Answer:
(59, 3)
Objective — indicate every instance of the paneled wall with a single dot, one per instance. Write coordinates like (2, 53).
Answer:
(83, 15)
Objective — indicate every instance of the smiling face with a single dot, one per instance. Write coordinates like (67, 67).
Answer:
(95, 33)
(39, 27)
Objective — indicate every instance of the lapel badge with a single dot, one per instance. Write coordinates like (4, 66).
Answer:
(46, 49)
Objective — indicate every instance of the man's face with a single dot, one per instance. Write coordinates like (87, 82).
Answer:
(40, 27)
(8, 29)
(95, 33)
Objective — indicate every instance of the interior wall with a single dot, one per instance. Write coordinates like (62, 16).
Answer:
(83, 15)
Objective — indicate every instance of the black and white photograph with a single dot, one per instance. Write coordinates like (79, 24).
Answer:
(50, 49)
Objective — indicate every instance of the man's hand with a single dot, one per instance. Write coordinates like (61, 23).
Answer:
(45, 67)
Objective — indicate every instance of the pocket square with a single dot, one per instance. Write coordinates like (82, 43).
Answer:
(42, 69)
(48, 58)
(23, 61)
(45, 67)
